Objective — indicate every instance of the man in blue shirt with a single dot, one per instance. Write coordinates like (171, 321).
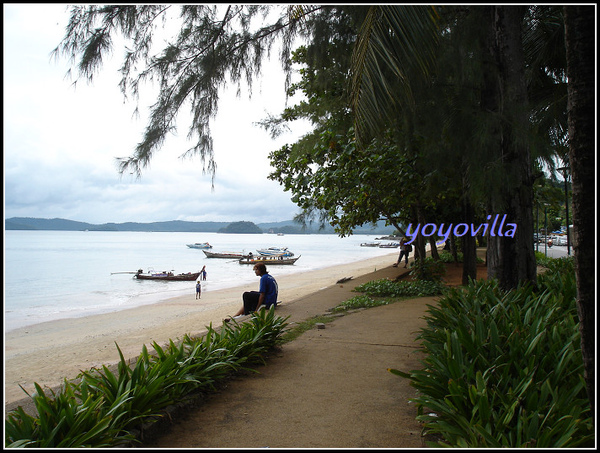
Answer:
(266, 294)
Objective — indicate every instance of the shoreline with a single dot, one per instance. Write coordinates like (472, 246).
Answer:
(31, 353)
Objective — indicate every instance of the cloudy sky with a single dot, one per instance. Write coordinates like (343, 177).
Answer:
(61, 142)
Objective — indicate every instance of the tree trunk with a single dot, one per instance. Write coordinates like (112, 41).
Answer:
(453, 248)
(469, 247)
(434, 251)
(419, 244)
(580, 46)
(513, 257)
(489, 104)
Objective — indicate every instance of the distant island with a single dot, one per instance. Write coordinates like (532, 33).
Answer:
(241, 227)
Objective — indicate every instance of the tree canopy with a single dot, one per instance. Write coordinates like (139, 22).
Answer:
(214, 45)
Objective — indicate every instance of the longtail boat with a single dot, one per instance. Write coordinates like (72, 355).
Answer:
(230, 255)
(166, 276)
(269, 260)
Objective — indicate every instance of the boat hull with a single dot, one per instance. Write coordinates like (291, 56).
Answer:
(268, 260)
(275, 251)
(190, 276)
(198, 245)
(229, 255)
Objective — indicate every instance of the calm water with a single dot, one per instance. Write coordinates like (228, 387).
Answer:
(51, 275)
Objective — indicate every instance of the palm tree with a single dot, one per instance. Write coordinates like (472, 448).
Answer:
(579, 40)
(504, 92)
(386, 42)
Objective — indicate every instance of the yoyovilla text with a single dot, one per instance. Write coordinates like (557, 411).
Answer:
(460, 229)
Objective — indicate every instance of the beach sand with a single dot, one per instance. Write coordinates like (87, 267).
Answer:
(48, 353)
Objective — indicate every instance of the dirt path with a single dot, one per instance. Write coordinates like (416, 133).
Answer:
(329, 388)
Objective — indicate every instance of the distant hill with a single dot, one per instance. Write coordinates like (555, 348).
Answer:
(30, 223)
(285, 227)
(241, 228)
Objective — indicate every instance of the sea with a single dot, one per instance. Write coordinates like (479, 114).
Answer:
(50, 275)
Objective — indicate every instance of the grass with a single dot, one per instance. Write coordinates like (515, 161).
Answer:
(298, 329)
(377, 293)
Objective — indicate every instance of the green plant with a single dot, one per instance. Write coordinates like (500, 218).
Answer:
(101, 407)
(504, 369)
(389, 288)
(67, 421)
(542, 260)
(446, 257)
(359, 302)
(428, 269)
(304, 326)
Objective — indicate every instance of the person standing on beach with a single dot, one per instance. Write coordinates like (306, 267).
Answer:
(203, 272)
(266, 295)
(404, 251)
(198, 289)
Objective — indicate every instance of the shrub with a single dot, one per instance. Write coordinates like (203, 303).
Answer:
(446, 257)
(387, 288)
(428, 269)
(504, 369)
(100, 408)
(363, 301)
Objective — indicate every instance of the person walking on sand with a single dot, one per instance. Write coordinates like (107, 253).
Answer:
(266, 295)
(404, 251)
(198, 289)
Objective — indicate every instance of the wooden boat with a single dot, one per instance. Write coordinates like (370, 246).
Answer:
(166, 276)
(200, 245)
(230, 255)
(268, 260)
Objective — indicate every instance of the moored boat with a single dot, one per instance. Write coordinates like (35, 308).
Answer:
(200, 245)
(389, 245)
(370, 244)
(166, 276)
(268, 260)
(231, 255)
(275, 251)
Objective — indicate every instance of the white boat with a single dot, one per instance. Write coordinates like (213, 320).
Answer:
(275, 251)
(200, 245)
(370, 244)
(389, 245)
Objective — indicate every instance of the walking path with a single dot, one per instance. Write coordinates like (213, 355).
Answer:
(329, 388)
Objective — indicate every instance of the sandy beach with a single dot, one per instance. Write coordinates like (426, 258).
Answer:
(48, 353)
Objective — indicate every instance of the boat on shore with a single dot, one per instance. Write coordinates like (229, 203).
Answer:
(268, 260)
(230, 255)
(200, 245)
(166, 276)
(275, 251)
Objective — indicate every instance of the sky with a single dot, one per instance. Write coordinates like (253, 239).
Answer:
(61, 142)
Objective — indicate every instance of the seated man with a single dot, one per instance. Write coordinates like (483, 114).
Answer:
(265, 296)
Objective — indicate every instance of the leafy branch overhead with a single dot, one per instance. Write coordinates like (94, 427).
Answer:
(214, 45)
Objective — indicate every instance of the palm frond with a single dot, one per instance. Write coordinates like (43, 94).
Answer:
(393, 42)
